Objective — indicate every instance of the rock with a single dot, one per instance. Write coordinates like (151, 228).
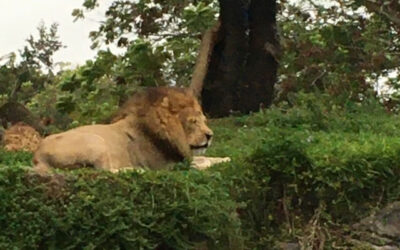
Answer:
(289, 246)
(21, 137)
(381, 230)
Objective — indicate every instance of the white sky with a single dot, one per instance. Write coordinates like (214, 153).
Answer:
(19, 19)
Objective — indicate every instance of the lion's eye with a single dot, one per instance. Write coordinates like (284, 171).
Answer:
(193, 120)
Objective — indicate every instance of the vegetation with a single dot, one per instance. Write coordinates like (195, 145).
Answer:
(343, 48)
(325, 155)
(131, 210)
(305, 172)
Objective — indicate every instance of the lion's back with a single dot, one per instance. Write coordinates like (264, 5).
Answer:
(68, 148)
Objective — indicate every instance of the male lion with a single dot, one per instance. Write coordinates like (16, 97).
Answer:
(156, 127)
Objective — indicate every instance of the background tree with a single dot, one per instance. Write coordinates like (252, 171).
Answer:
(39, 52)
(242, 68)
(20, 80)
(340, 48)
(244, 58)
(165, 34)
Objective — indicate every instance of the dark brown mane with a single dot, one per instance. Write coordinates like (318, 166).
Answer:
(143, 99)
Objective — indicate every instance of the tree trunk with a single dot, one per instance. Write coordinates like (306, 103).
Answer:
(226, 64)
(257, 87)
(242, 67)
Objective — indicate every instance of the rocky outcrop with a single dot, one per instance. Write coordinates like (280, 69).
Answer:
(381, 230)
(21, 137)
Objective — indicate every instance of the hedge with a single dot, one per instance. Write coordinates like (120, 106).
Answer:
(88, 209)
(314, 162)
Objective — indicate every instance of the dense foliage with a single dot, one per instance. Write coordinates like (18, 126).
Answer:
(346, 48)
(22, 79)
(311, 170)
(133, 210)
(299, 173)
(340, 47)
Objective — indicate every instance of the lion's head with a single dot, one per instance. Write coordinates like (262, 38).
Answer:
(194, 123)
(172, 118)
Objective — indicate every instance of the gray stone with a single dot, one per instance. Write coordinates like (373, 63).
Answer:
(381, 230)
(289, 246)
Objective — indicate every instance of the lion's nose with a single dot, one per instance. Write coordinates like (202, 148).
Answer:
(209, 135)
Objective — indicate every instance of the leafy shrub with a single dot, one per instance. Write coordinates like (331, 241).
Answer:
(289, 163)
(20, 158)
(132, 210)
(343, 171)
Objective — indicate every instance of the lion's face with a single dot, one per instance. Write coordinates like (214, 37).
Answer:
(198, 134)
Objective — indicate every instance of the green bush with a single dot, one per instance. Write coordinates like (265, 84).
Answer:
(20, 158)
(289, 164)
(344, 171)
(132, 210)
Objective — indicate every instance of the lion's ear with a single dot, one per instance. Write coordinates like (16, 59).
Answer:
(164, 124)
(189, 90)
(192, 92)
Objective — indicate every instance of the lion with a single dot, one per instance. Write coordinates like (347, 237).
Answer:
(154, 128)
(21, 137)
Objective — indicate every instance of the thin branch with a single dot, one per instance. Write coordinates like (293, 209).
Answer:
(318, 77)
(158, 37)
(392, 15)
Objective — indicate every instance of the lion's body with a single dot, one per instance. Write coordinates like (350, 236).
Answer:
(97, 145)
(157, 127)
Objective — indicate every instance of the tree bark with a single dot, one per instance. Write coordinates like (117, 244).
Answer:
(226, 64)
(257, 87)
(242, 68)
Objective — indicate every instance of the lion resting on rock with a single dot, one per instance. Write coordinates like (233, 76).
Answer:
(156, 127)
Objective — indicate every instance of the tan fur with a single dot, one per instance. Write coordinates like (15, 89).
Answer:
(203, 162)
(21, 137)
(156, 127)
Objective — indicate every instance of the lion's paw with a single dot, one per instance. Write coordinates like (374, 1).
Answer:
(203, 162)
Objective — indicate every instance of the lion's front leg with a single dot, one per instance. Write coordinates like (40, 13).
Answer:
(118, 170)
(41, 168)
(203, 162)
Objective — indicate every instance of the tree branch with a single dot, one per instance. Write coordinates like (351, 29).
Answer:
(390, 14)
(203, 59)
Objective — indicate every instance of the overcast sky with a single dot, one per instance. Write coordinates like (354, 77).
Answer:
(19, 19)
